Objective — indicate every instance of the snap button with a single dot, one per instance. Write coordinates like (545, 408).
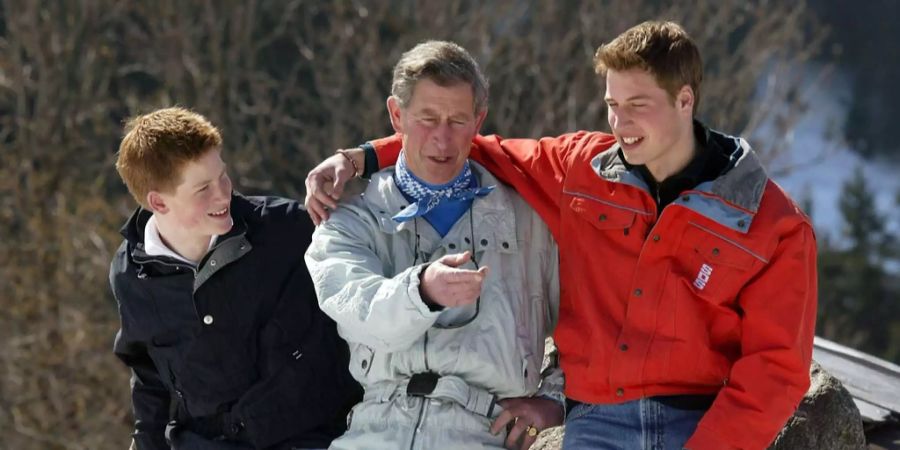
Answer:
(623, 347)
(506, 245)
(741, 224)
(638, 292)
(602, 217)
(212, 263)
(655, 238)
(484, 242)
(715, 251)
(364, 364)
(620, 392)
(452, 246)
(208, 319)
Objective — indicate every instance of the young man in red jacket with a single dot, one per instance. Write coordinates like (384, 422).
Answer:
(688, 277)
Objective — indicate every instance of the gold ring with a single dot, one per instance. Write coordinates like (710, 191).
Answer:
(532, 430)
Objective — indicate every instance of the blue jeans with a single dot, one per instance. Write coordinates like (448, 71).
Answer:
(645, 424)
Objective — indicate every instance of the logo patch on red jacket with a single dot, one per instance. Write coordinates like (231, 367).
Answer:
(703, 276)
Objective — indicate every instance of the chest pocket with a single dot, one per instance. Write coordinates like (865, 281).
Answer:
(602, 216)
(715, 267)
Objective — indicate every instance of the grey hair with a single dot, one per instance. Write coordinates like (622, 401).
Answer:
(443, 62)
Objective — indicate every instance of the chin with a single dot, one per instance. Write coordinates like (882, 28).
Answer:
(221, 228)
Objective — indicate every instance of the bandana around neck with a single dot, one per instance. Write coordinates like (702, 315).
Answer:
(430, 196)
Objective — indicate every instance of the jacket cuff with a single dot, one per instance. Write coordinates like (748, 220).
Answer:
(370, 166)
(415, 294)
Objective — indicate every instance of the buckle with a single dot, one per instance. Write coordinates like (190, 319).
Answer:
(422, 384)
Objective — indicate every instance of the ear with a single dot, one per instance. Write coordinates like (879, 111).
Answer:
(394, 111)
(684, 101)
(479, 120)
(157, 202)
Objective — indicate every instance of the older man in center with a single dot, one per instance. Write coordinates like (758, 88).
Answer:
(443, 280)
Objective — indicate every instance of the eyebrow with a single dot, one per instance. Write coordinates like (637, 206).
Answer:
(631, 99)
(434, 112)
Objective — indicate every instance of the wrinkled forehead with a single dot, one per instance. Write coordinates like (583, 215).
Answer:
(457, 97)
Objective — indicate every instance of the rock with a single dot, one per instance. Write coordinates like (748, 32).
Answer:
(827, 418)
(549, 439)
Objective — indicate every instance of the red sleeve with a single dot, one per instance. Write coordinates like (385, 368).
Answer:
(771, 377)
(536, 169)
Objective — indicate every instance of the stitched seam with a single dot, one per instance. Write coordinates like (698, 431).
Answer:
(730, 241)
(589, 197)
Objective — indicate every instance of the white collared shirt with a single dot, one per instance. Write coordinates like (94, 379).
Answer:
(154, 245)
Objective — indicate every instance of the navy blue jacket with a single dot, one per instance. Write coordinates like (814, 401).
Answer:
(239, 338)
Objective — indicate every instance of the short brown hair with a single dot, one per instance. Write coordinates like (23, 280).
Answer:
(444, 63)
(156, 147)
(663, 49)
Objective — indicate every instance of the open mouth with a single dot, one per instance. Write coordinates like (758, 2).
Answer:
(631, 140)
(221, 213)
(440, 160)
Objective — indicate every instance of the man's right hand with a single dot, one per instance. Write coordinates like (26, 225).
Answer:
(325, 183)
(445, 284)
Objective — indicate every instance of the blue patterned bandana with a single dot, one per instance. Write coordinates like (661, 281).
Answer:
(427, 197)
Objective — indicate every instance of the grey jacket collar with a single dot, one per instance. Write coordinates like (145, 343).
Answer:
(732, 199)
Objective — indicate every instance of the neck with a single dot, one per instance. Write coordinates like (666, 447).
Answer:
(677, 157)
(193, 248)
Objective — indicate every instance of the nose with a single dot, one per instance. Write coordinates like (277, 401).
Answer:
(441, 136)
(617, 118)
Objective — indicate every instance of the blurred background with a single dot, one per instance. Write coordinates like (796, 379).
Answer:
(811, 84)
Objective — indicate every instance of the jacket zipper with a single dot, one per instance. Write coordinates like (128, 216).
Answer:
(164, 263)
(412, 442)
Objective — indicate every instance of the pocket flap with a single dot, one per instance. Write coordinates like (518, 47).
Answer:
(601, 215)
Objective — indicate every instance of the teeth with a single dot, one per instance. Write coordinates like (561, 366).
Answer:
(630, 140)
(219, 213)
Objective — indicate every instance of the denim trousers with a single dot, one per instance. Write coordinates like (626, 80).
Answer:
(645, 424)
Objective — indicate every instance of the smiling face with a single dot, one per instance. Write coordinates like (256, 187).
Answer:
(652, 128)
(199, 207)
(438, 125)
